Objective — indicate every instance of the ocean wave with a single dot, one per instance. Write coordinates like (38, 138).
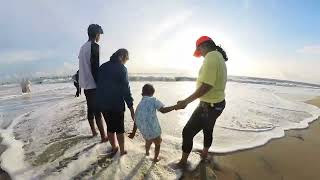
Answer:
(177, 78)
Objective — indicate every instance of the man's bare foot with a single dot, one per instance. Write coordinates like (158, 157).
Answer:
(204, 154)
(123, 153)
(105, 139)
(156, 160)
(94, 134)
(110, 153)
(180, 165)
(113, 151)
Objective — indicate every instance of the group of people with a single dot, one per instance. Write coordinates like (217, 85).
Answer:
(107, 91)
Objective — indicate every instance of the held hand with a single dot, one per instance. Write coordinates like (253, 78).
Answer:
(181, 105)
(131, 135)
(133, 132)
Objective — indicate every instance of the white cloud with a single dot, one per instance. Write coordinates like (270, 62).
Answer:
(311, 49)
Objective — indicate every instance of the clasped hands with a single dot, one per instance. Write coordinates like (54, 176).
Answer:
(181, 105)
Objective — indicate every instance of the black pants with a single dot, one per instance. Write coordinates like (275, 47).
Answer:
(203, 118)
(91, 104)
(78, 88)
(114, 121)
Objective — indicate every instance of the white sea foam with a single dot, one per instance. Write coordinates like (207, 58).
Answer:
(50, 139)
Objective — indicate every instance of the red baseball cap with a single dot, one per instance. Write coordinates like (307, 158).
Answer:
(201, 40)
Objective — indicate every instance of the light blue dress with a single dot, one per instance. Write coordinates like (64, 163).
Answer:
(146, 117)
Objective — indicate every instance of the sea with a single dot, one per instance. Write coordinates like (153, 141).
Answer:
(47, 134)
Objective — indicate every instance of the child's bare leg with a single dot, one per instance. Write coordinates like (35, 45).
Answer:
(147, 146)
(157, 142)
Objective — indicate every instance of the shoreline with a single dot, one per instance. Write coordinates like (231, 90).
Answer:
(280, 158)
(241, 164)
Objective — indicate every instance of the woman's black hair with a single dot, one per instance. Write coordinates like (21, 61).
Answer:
(211, 45)
(120, 52)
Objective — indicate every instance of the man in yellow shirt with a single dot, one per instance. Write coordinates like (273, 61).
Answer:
(211, 85)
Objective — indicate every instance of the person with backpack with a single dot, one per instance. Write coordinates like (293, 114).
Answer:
(75, 79)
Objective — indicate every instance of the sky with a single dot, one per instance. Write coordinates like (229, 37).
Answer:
(263, 38)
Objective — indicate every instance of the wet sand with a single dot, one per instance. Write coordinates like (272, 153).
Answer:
(293, 157)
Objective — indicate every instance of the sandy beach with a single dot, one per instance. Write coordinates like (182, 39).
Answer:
(293, 157)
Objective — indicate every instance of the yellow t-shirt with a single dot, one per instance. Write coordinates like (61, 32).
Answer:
(213, 72)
